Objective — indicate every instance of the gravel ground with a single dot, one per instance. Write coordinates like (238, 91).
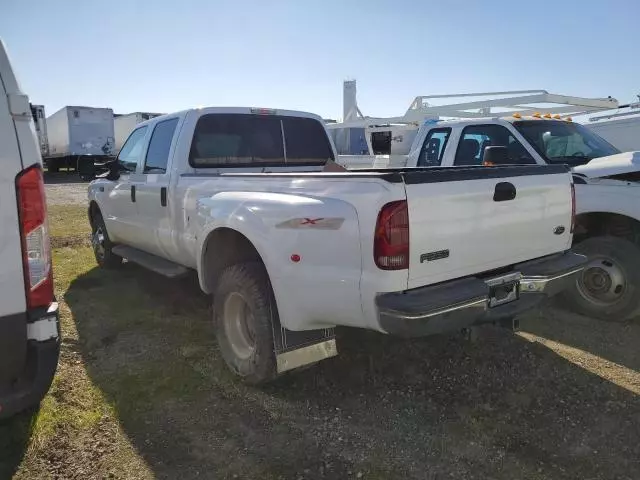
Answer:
(65, 189)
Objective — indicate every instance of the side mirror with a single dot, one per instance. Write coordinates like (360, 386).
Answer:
(496, 155)
(112, 170)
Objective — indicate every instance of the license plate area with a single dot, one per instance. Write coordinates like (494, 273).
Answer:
(504, 289)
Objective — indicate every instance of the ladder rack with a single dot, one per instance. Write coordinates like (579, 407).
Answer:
(483, 104)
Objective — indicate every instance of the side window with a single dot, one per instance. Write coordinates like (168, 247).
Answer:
(433, 147)
(132, 149)
(158, 151)
(476, 138)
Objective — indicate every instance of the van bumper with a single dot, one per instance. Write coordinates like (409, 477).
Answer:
(452, 306)
(29, 368)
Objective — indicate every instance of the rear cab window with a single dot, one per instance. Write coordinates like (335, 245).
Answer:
(234, 140)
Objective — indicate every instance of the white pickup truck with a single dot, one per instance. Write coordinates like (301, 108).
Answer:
(606, 183)
(289, 250)
(29, 326)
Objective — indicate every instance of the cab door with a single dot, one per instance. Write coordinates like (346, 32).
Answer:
(153, 202)
(120, 210)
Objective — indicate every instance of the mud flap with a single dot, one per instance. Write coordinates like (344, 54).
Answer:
(296, 349)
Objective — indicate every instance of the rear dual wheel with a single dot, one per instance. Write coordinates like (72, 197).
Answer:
(244, 311)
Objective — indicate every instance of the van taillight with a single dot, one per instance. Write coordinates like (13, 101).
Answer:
(391, 238)
(34, 233)
(573, 207)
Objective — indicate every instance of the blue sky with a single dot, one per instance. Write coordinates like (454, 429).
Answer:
(167, 55)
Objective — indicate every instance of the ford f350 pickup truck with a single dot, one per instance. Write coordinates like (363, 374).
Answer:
(289, 251)
(606, 183)
(29, 326)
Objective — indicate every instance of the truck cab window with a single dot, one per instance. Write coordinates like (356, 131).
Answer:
(131, 151)
(433, 147)
(381, 143)
(564, 142)
(227, 140)
(159, 145)
(476, 138)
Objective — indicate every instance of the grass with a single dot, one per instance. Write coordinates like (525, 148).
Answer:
(75, 419)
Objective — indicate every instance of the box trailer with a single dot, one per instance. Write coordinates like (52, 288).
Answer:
(40, 122)
(79, 136)
(620, 130)
(123, 125)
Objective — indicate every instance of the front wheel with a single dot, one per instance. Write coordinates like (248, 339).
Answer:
(609, 286)
(244, 311)
(102, 245)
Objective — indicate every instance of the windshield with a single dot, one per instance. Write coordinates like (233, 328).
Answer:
(564, 142)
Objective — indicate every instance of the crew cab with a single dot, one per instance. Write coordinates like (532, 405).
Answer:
(606, 184)
(289, 249)
(29, 326)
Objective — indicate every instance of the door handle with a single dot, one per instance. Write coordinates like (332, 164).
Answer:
(133, 193)
(504, 192)
(163, 196)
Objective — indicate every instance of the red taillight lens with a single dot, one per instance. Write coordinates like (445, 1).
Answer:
(573, 207)
(34, 233)
(391, 238)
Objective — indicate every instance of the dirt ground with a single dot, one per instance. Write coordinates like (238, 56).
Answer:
(142, 392)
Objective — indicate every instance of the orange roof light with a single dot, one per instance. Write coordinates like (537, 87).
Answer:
(517, 115)
(557, 116)
(536, 115)
(569, 119)
(547, 115)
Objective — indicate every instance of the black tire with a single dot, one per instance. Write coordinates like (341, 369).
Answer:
(615, 296)
(53, 166)
(247, 284)
(102, 245)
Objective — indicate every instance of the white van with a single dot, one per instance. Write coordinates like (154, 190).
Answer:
(29, 325)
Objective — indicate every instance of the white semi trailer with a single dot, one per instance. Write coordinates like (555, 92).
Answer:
(78, 137)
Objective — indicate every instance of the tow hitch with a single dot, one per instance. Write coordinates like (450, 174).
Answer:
(470, 334)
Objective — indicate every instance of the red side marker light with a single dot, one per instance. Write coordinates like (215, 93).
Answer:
(295, 258)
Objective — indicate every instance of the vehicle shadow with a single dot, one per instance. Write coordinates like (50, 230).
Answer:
(617, 342)
(502, 407)
(15, 433)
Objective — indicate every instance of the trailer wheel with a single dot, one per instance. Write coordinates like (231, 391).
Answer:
(609, 286)
(53, 166)
(102, 245)
(243, 312)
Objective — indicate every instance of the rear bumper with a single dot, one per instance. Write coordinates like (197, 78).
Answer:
(28, 382)
(451, 306)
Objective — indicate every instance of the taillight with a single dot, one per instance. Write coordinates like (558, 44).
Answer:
(391, 238)
(573, 207)
(34, 233)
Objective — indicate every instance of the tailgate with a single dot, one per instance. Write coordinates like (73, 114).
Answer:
(464, 221)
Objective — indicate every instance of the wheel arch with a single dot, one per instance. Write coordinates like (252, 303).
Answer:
(93, 211)
(222, 248)
(593, 224)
